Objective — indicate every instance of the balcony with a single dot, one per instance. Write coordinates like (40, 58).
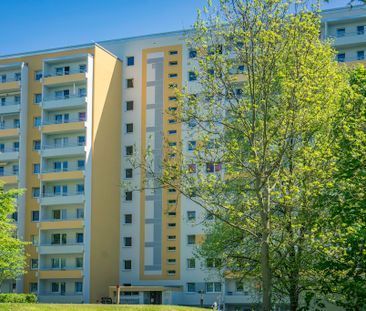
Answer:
(62, 199)
(64, 273)
(348, 39)
(9, 107)
(49, 224)
(10, 154)
(9, 130)
(69, 248)
(62, 149)
(64, 77)
(238, 298)
(64, 102)
(54, 127)
(9, 84)
(58, 174)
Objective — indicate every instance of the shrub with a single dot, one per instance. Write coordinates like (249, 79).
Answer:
(18, 298)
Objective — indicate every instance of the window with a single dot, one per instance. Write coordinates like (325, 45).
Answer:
(129, 105)
(82, 116)
(172, 109)
(213, 262)
(127, 264)
(37, 98)
(127, 241)
(191, 263)
(80, 188)
(128, 195)
(213, 167)
(82, 92)
(35, 215)
(129, 150)
(79, 213)
(341, 57)
(81, 140)
(173, 63)
(172, 190)
(171, 272)
(2, 171)
(35, 192)
(360, 30)
(78, 287)
(191, 287)
(172, 202)
(192, 76)
(191, 215)
(171, 261)
(173, 85)
(56, 214)
(130, 61)
(172, 225)
(129, 83)
(36, 145)
(129, 128)
(192, 168)
(34, 239)
(360, 55)
(215, 49)
(213, 287)
(33, 287)
(192, 53)
(191, 239)
(172, 144)
(172, 237)
(173, 75)
(172, 132)
(79, 237)
(34, 264)
(16, 123)
(341, 32)
(37, 121)
(14, 216)
(172, 214)
(16, 146)
(172, 121)
(128, 218)
(172, 98)
(17, 76)
(55, 287)
(38, 75)
(192, 145)
(128, 173)
(171, 248)
(79, 262)
(81, 164)
(239, 286)
(57, 238)
(82, 68)
(173, 52)
(36, 168)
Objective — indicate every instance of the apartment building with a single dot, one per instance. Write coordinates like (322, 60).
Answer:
(70, 120)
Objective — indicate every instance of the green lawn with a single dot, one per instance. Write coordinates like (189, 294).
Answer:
(70, 307)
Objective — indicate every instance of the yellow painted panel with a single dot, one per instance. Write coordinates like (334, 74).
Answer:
(9, 86)
(62, 224)
(106, 164)
(64, 79)
(9, 132)
(64, 127)
(60, 274)
(9, 179)
(62, 176)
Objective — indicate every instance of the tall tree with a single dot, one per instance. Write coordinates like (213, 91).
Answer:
(261, 112)
(344, 241)
(12, 255)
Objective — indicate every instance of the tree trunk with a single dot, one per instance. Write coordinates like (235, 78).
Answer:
(294, 298)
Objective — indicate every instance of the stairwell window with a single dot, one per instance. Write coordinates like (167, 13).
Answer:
(128, 195)
(191, 263)
(36, 168)
(127, 264)
(192, 76)
(128, 173)
(34, 264)
(128, 218)
(37, 98)
(129, 83)
(35, 192)
(129, 105)
(35, 215)
(191, 239)
(130, 61)
(129, 128)
(129, 150)
(127, 241)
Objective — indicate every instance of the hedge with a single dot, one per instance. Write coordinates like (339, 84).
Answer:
(18, 298)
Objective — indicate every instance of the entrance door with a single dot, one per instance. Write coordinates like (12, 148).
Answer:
(155, 298)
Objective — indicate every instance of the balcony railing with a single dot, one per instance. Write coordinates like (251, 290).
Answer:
(60, 268)
(9, 150)
(62, 97)
(63, 121)
(9, 103)
(69, 243)
(65, 73)
(346, 34)
(60, 170)
(8, 126)
(9, 79)
(62, 218)
(62, 145)
(61, 194)
(9, 173)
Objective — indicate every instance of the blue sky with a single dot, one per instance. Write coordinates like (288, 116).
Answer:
(29, 25)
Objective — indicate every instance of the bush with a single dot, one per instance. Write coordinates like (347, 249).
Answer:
(18, 298)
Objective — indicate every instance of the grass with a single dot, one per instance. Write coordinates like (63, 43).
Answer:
(86, 307)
